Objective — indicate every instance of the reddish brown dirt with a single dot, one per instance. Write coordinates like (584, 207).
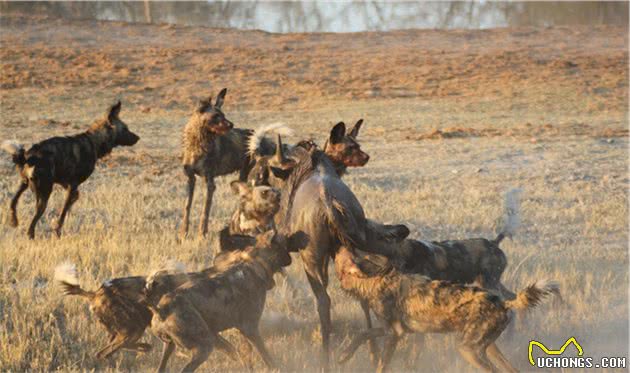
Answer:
(164, 65)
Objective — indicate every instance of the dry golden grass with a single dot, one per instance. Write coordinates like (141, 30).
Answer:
(574, 221)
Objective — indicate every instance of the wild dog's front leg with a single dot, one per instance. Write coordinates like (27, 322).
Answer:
(190, 191)
(13, 220)
(388, 351)
(71, 198)
(366, 336)
(210, 188)
(372, 347)
(169, 347)
(253, 336)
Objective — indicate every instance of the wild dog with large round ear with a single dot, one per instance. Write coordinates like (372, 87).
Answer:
(67, 161)
(344, 150)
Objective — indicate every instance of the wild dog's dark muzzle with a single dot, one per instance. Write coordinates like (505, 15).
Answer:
(128, 138)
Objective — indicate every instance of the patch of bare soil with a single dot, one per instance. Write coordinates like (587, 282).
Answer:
(527, 130)
(164, 65)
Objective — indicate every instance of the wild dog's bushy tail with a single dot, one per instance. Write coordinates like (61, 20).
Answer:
(511, 215)
(532, 295)
(67, 278)
(256, 139)
(343, 223)
(16, 150)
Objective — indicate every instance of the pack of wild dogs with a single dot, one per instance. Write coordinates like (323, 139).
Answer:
(292, 198)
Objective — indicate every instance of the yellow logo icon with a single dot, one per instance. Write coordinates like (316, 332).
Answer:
(553, 352)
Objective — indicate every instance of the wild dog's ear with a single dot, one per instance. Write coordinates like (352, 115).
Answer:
(220, 98)
(113, 111)
(337, 133)
(355, 130)
(203, 105)
(374, 265)
(297, 241)
(233, 242)
(265, 239)
(240, 188)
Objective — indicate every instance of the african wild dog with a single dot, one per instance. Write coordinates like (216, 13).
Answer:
(343, 149)
(257, 206)
(461, 261)
(118, 305)
(211, 148)
(414, 303)
(191, 316)
(67, 161)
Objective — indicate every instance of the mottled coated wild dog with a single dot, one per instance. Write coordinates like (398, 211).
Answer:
(118, 305)
(211, 148)
(191, 316)
(67, 161)
(408, 303)
(257, 206)
(461, 261)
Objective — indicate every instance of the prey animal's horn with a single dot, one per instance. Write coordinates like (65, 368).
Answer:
(279, 151)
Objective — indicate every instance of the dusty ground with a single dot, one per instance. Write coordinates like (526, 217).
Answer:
(453, 119)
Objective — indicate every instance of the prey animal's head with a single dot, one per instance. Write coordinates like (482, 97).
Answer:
(211, 117)
(343, 149)
(272, 169)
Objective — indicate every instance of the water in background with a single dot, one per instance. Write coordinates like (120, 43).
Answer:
(339, 16)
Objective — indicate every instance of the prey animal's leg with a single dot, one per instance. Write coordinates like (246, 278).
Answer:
(210, 188)
(71, 198)
(365, 336)
(13, 220)
(190, 191)
(168, 349)
(323, 308)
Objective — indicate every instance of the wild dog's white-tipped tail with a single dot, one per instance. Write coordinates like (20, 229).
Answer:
(532, 295)
(253, 146)
(66, 272)
(511, 214)
(173, 266)
(169, 266)
(11, 146)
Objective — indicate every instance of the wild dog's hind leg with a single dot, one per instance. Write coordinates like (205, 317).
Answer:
(477, 358)
(190, 191)
(13, 220)
(71, 198)
(497, 357)
(42, 193)
(210, 188)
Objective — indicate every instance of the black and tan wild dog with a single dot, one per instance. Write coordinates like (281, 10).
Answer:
(410, 303)
(191, 316)
(67, 161)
